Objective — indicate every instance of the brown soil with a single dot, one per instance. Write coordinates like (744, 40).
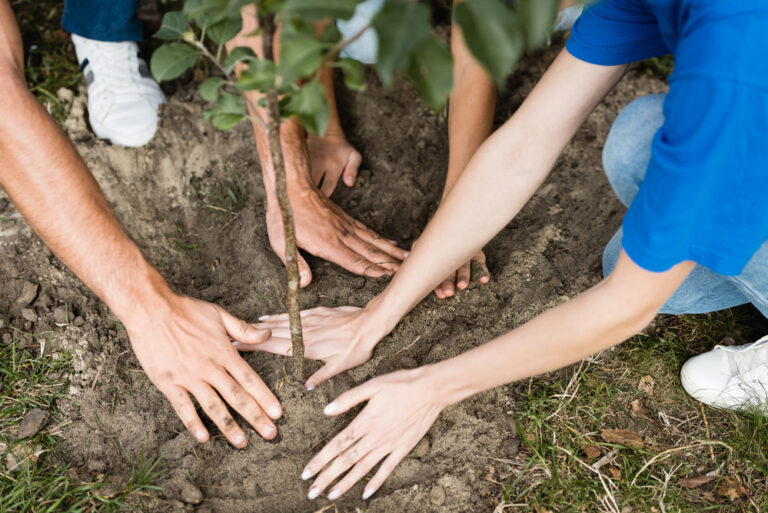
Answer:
(549, 253)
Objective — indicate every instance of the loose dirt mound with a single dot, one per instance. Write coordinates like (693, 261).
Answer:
(166, 194)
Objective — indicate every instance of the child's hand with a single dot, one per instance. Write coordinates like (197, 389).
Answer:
(342, 337)
(460, 279)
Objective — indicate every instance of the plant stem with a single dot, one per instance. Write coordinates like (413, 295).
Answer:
(267, 23)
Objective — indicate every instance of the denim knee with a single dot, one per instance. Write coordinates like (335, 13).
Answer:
(627, 149)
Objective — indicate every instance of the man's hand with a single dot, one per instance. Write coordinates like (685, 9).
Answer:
(332, 157)
(189, 350)
(461, 277)
(341, 337)
(326, 231)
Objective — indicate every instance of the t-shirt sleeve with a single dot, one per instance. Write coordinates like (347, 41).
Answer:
(705, 192)
(613, 32)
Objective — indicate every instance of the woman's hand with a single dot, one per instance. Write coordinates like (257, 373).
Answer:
(342, 337)
(401, 408)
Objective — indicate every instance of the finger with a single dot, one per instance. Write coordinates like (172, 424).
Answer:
(485, 274)
(320, 311)
(305, 274)
(185, 409)
(373, 254)
(383, 244)
(382, 474)
(329, 183)
(339, 465)
(336, 446)
(356, 263)
(244, 404)
(463, 276)
(351, 169)
(325, 373)
(242, 331)
(356, 474)
(217, 411)
(254, 386)
(278, 346)
(445, 289)
(351, 397)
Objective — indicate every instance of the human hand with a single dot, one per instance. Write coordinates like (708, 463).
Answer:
(342, 337)
(332, 157)
(326, 231)
(187, 349)
(401, 408)
(461, 277)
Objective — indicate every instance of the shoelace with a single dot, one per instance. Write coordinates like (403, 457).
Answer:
(116, 68)
(744, 360)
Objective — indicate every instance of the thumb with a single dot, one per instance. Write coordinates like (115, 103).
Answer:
(241, 331)
(305, 274)
(325, 373)
(351, 397)
(350, 170)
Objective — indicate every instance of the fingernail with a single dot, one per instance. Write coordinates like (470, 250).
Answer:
(392, 241)
(235, 343)
(310, 388)
(239, 439)
(330, 408)
(303, 276)
(264, 317)
(274, 412)
(200, 436)
(306, 474)
(407, 253)
(334, 495)
(367, 494)
(313, 493)
(269, 430)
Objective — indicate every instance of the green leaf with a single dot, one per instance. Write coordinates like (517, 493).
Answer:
(308, 104)
(173, 26)
(322, 9)
(330, 34)
(225, 30)
(300, 56)
(537, 18)
(431, 69)
(171, 60)
(259, 75)
(354, 74)
(228, 111)
(206, 13)
(491, 33)
(238, 54)
(209, 89)
(401, 27)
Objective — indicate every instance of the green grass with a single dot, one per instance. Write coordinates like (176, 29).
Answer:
(560, 416)
(49, 484)
(49, 61)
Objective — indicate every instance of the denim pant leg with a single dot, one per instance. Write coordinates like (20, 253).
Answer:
(111, 21)
(626, 155)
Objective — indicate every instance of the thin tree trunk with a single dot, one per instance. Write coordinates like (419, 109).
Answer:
(267, 24)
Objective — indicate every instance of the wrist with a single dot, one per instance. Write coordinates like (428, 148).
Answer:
(442, 376)
(143, 299)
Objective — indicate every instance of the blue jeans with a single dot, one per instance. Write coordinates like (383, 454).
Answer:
(102, 20)
(626, 155)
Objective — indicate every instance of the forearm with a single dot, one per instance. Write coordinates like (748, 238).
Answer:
(470, 108)
(41, 167)
(605, 315)
(501, 177)
(292, 134)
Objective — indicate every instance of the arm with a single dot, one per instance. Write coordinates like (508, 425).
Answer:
(403, 405)
(515, 159)
(322, 228)
(182, 344)
(470, 118)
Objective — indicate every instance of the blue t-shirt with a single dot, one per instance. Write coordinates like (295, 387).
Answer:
(705, 193)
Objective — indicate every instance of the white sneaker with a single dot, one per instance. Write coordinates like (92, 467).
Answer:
(122, 96)
(734, 377)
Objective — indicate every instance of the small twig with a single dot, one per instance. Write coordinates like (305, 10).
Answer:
(407, 347)
(706, 426)
(605, 460)
(214, 207)
(668, 452)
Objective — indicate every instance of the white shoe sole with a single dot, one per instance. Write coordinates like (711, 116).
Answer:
(131, 139)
